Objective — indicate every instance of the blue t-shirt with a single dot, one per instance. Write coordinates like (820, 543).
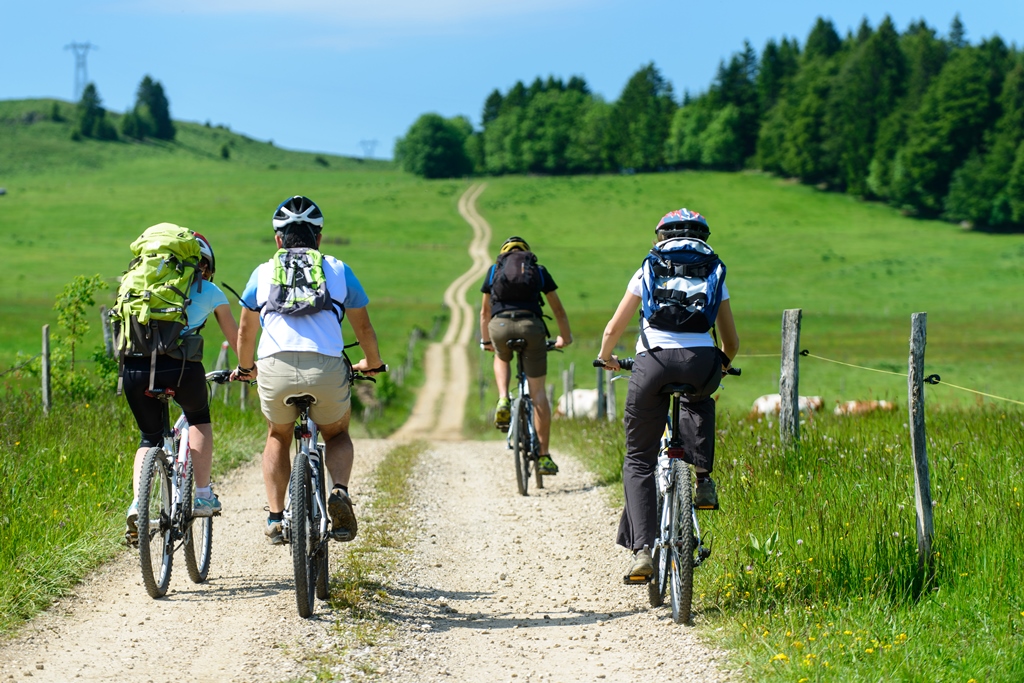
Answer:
(203, 304)
(319, 332)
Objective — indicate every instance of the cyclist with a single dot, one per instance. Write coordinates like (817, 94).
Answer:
(511, 309)
(664, 357)
(189, 385)
(299, 298)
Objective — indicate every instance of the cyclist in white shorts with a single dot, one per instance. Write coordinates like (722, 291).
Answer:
(299, 298)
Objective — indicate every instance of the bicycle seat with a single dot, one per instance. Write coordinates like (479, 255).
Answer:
(160, 393)
(300, 400)
(684, 389)
(516, 344)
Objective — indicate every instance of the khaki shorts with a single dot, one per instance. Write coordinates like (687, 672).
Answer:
(535, 356)
(292, 373)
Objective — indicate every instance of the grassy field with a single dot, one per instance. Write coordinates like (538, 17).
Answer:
(836, 596)
(858, 271)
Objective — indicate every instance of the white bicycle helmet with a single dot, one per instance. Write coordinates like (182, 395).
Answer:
(207, 252)
(297, 209)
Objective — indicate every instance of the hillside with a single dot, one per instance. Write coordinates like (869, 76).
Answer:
(31, 141)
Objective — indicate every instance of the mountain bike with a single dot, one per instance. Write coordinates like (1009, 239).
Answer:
(166, 493)
(522, 434)
(307, 524)
(680, 547)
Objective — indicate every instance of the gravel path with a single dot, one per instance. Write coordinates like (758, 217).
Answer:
(241, 625)
(501, 587)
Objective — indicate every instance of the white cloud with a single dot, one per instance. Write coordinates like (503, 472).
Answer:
(422, 12)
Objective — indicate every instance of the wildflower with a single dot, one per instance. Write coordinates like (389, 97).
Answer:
(17, 443)
(847, 633)
(797, 644)
(781, 657)
(799, 541)
(869, 650)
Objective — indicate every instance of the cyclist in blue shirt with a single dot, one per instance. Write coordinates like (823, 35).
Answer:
(189, 385)
(300, 352)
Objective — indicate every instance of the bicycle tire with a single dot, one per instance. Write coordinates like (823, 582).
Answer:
(156, 539)
(198, 536)
(681, 559)
(323, 588)
(535, 452)
(519, 436)
(305, 582)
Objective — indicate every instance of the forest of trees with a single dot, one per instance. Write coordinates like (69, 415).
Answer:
(929, 123)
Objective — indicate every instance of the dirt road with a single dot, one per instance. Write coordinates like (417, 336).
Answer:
(497, 586)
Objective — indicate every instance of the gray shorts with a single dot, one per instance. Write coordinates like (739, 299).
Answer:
(292, 373)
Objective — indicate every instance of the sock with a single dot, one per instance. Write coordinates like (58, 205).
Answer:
(275, 516)
(343, 488)
(703, 476)
(205, 492)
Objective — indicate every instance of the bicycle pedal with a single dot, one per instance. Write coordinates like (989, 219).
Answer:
(636, 580)
(706, 507)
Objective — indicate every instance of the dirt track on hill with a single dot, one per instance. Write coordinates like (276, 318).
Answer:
(497, 586)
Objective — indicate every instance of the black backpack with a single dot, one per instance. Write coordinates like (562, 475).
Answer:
(516, 277)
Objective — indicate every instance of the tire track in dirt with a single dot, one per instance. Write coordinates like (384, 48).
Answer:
(441, 406)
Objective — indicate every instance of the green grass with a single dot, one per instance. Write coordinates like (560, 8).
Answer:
(66, 485)
(838, 596)
(858, 270)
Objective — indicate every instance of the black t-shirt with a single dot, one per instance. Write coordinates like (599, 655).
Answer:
(532, 306)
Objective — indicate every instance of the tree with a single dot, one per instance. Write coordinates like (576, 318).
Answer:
(950, 124)
(720, 144)
(92, 117)
(640, 120)
(153, 110)
(779, 63)
(74, 301)
(683, 147)
(822, 41)
(492, 107)
(587, 151)
(736, 86)
(435, 147)
(546, 129)
(867, 88)
(957, 33)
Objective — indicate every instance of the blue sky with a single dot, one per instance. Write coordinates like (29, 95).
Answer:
(325, 75)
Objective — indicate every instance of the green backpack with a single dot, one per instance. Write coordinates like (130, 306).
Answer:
(151, 309)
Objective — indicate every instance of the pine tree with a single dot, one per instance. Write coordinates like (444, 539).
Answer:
(153, 110)
(92, 117)
(640, 120)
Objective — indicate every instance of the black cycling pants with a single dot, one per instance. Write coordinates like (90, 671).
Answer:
(190, 393)
(645, 415)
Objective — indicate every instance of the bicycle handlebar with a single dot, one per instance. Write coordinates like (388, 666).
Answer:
(219, 376)
(359, 377)
(627, 364)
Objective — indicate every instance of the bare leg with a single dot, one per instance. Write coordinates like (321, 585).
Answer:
(277, 465)
(140, 455)
(541, 412)
(339, 452)
(200, 440)
(502, 375)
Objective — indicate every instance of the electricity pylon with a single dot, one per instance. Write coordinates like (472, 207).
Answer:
(81, 51)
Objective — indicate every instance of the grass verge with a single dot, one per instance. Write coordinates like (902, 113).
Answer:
(359, 590)
(814, 571)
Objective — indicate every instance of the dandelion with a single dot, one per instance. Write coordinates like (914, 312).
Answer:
(847, 633)
(18, 443)
(797, 644)
(781, 657)
(869, 650)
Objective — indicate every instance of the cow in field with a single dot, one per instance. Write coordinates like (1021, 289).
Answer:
(584, 404)
(771, 404)
(862, 407)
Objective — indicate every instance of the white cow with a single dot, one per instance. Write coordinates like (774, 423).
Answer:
(862, 407)
(584, 404)
(771, 404)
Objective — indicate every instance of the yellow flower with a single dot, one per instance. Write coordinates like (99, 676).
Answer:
(17, 443)
(797, 644)
(847, 633)
(789, 634)
(781, 657)
(869, 650)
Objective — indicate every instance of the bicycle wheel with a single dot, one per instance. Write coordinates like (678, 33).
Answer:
(323, 577)
(299, 488)
(534, 447)
(520, 439)
(198, 535)
(681, 549)
(156, 539)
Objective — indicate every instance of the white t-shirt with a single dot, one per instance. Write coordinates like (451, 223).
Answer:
(664, 338)
(318, 332)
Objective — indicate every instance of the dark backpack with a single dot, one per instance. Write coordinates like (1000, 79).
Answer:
(516, 277)
(682, 286)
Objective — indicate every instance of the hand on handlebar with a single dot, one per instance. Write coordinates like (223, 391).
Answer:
(561, 342)
(609, 365)
(363, 368)
(238, 376)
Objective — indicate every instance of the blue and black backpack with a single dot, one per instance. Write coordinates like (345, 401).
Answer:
(682, 285)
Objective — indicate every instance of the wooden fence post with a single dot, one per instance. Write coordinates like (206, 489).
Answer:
(46, 369)
(789, 378)
(918, 443)
(600, 393)
(108, 335)
(243, 393)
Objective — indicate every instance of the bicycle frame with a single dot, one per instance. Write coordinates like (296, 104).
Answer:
(306, 433)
